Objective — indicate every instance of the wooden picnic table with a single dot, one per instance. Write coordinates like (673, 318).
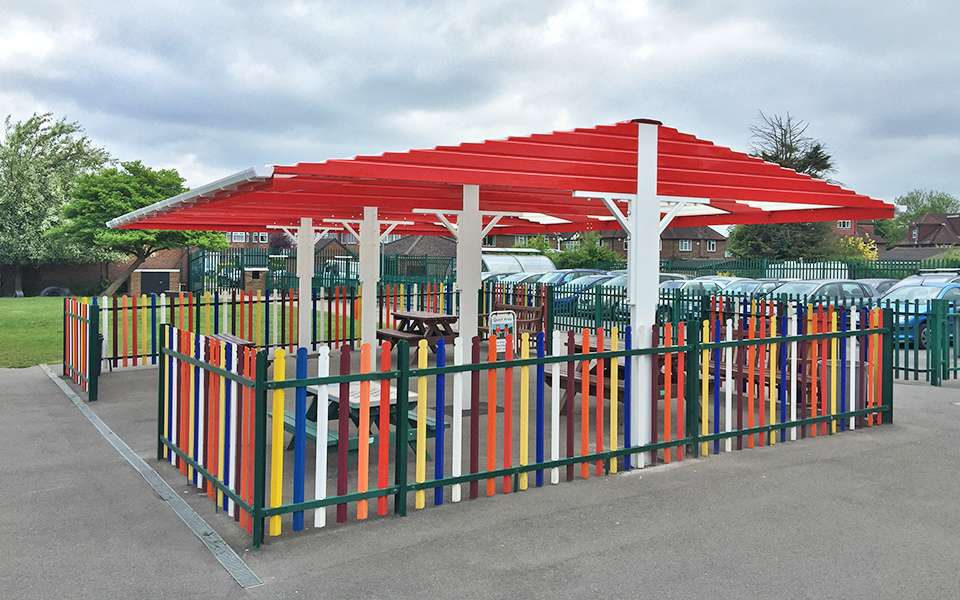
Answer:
(416, 325)
(353, 401)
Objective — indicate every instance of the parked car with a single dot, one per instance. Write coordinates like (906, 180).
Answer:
(579, 292)
(491, 277)
(757, 288)
(564, 276)
(846, 291)
(518, 278)
(721, 280)
(673, 277)
(880, 286)
(910, 303)
(929, 277)
(683, 291)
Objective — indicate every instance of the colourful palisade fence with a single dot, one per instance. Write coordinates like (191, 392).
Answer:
(128, 327)
(487, 420)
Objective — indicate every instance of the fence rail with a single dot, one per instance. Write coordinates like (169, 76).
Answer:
(733, 381)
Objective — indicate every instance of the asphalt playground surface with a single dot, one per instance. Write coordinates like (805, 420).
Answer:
(866, 514)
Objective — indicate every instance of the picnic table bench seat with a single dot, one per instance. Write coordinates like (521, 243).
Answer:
(333, 438)
(395, 335)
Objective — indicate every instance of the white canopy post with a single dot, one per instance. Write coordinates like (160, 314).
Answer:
(305, 269)
(643, 279)
(469, 251)
(369, 275)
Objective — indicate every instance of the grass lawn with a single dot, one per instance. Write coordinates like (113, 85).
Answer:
(30, 331)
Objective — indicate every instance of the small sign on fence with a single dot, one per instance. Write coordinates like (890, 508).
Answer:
(503, 323)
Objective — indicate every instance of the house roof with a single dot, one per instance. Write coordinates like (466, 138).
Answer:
(934, 229)
(421, 245)
(912, 252)
(692, 233)
(533, 178)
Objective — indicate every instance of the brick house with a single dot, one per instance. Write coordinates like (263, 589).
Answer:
(848, 228)
(676, 243)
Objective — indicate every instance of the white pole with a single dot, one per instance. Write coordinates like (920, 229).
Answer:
(459, 383)
(323, 400)
(558, 347)
(643, 277)
(468, 262)
(369, 275)
(305, 279)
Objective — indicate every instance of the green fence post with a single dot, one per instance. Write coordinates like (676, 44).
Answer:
(161, 357)
(889, 336)
(936, 318)
(692, 393)
(597, 307)
(93, 352)
(400, 442)
(260, 447)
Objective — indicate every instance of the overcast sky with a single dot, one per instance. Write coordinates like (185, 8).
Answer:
(213, 87)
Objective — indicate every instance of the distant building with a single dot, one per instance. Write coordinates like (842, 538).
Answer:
(675, 243)
(928, 237)
(849, 228)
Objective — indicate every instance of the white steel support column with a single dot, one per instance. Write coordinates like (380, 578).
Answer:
(369, 275)
(469, 250)
(643, 279)
(305, 269)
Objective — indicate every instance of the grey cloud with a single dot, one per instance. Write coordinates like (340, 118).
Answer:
(234, 84)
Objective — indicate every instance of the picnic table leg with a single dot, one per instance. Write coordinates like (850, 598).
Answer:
(311, 416)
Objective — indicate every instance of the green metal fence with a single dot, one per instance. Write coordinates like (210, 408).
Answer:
(225, 270)
(926, 344)
(839, 269)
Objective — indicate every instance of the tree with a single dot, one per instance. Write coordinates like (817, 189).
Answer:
(793, 241)
(854, 247)
(783, 140)
(914, 205)
(40, 159)
(586, 253)
(111, 192)
(540, 243)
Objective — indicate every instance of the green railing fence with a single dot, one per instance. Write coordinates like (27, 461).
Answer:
(226, 270)
(830, 269)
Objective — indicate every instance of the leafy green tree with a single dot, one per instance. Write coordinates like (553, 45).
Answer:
(40, 158)
(793, 241)
(540, 243)
(783, 140)
(912, 206)
(586, 253)
(101, 196)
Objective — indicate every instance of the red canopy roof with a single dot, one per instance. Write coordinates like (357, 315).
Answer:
(534, 175)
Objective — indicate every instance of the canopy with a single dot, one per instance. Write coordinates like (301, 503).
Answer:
(531, 180)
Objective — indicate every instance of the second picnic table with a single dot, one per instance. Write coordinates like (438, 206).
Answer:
(415, 325)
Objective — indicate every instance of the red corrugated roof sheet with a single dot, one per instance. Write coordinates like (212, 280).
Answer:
(535, 174)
